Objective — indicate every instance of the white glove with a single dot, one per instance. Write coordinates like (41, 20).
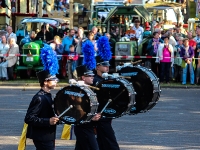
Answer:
(72, 81)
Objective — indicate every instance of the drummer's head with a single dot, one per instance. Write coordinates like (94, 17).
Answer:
(85, 74)
(47, 81)
(88, 79)
(102, 67)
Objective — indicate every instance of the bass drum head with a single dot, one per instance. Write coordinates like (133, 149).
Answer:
(144, 82)
(116, 91)
(78, 98)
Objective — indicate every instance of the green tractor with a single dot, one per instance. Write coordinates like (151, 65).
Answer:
(29, 61)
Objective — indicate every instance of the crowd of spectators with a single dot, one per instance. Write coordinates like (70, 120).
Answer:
(177, 54)
(8, 46)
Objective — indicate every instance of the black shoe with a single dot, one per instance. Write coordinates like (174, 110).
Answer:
(4, 79)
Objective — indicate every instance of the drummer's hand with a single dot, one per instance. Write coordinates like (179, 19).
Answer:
(72, 81)
(96, 117)
(53, 120)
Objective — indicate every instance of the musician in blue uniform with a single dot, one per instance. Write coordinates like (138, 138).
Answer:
(105, 134)
(85, 135)
(40, 115)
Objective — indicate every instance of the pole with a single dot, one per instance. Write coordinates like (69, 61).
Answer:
(40, 8)
(71, 12)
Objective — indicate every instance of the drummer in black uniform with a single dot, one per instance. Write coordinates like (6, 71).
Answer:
(85, 135)
(40, 115)
(105, 134)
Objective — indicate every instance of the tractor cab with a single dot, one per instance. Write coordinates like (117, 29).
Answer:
(120, 21)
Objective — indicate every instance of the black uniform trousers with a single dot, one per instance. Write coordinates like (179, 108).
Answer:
(44, 145)
(85, 137)
(106, 135)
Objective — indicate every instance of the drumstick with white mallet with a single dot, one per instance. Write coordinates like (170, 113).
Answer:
(109, 101)
(81, 83)
(66, 110)
(106, 75)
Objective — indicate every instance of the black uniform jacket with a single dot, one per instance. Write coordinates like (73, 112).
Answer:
(105, 134)
(38, 115)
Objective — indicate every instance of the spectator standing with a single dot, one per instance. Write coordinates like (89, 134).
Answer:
(138, 30)
(192, 41)
(59, 51)
(147, 31)
(158, 25)
(172, 40)
(64, 31)
(68, 40)
(159, 32)
(10, 33)
(44, 35)
(4, 47)
(183, 31)
(187, 54)
(178, 30)
(178, 60)
(97, 35)
(71, 63)
(114, 34)
(94, 42)
(198, 72)
(77, 42)
(165, 56)
(197, 40)
(28, 38)
(152, 49)
(13, 50)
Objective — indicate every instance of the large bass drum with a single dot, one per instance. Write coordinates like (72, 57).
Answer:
(146, 85)
(120, 91)
(83, 100)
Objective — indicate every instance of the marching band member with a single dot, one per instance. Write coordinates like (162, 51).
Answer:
(40, 115)
(105, 134)
(85, 136)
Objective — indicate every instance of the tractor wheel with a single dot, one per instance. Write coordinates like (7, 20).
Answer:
(23, 74)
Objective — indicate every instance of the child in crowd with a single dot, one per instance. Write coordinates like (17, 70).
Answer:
(71, 63)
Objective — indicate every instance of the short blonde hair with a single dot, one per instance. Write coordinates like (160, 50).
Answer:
(57, 37)
(81, 28)
(11, 39)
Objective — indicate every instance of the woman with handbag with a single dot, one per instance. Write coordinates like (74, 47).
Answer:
(187, 54)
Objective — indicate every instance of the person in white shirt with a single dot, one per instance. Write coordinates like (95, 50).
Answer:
(12, 57)
(3, 63)
(10, 33)
(139, 30)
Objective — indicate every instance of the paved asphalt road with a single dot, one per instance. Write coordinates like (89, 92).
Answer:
(173, 124)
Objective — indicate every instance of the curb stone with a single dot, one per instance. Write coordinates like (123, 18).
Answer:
(63, 85)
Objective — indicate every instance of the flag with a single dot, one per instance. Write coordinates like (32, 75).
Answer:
(22, 141)
(67, 132)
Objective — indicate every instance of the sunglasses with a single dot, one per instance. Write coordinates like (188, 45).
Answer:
(88, 76)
